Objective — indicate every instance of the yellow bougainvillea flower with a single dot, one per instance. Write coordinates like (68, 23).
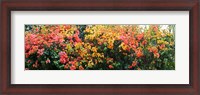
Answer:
(124, 46)
(94, 49)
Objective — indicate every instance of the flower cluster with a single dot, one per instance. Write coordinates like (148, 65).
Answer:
(99, 47)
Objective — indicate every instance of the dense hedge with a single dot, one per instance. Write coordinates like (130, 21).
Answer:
(99, 47)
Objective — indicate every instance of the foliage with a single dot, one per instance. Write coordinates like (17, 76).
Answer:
(99, 47)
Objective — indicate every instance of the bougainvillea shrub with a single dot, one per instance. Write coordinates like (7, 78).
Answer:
(99, 47)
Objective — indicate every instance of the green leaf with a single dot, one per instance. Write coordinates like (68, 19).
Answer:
(105, 49)
(42, 62)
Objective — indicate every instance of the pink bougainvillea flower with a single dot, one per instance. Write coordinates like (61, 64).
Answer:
(70, 37)
(40, 52)
(27, 47)
(27, 55)
(124, 39)
(73, 67)
(62, 53)
(48, 61)
(29, 61)
(155, 28)
(32, 36)
(63, 60)
(110, 66)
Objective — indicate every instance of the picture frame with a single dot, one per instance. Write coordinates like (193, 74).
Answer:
(88, 5)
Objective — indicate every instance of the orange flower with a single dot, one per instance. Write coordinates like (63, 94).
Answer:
(139, 53)
(156, 55)
(144, 42)
(29, 61)
(110, 46)
(153, 49)
(134, 63)
(94, 49)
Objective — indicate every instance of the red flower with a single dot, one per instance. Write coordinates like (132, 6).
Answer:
(144, 42)
(140, 36)
(72, 67)
(27, 47)
(76, 37)
(134, 63)
(72, 62)
(63, 57)
(63, 60)
(32, 36)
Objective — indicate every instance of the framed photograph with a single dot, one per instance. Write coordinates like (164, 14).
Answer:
(146, 47)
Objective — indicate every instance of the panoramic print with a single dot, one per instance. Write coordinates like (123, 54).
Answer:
(99, 47)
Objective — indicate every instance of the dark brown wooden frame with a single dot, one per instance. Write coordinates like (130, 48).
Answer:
(93, 5)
